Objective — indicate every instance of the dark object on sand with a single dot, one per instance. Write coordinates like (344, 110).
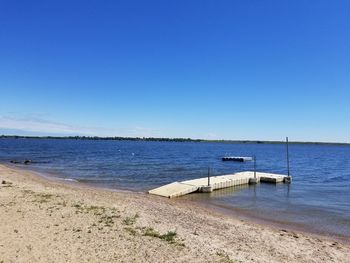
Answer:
(27, 161)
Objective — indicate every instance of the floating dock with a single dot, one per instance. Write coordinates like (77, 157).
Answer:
(217, 182)
(237, 158)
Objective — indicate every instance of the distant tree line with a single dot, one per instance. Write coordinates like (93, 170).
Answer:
(118, 138)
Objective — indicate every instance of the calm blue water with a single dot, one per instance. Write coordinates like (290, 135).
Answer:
(317, 200)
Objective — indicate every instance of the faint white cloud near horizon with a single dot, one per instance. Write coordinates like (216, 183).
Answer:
(38, 126)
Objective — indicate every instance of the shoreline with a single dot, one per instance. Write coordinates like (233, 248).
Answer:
(142, 225)
(268, 222)
(230, 211)
(55, 177)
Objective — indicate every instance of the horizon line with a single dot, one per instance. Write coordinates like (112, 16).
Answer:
(174, 139)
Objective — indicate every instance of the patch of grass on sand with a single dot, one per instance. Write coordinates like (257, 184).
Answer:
(131, 220)
(6, 183)
(224, 258)
(96, 210)
(107, 220)
(77, 206)
(114, 210)
(168, 236)
(131, 231)
(28, 192)
(150, 232)
(63, 203)
(106, 217)
(43, 198)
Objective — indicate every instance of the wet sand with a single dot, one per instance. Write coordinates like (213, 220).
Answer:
(43, 220)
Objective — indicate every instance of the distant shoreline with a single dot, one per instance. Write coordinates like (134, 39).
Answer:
(154, 139)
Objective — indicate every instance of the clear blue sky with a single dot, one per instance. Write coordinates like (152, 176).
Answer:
(201, 69)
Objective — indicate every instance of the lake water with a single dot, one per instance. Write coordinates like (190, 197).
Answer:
(318, 199)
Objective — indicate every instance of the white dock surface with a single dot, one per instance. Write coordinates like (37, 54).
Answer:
(217, 182)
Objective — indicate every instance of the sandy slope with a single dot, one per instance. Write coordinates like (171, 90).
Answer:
(47, 221)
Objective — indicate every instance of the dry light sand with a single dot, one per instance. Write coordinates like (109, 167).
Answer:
(43, 220)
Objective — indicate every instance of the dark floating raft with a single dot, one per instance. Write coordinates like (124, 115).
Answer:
(236, 159)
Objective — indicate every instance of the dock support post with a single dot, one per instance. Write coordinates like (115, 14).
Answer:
(208, 188)
(254, 167)
(254, 180)
(287, 148)
(208, 176)
(287, 179)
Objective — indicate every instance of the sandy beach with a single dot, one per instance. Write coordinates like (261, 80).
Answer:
(44, 220)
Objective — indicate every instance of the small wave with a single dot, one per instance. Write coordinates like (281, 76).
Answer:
(176, 169)
(71, 180)
(339, 178)
(40, 162)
